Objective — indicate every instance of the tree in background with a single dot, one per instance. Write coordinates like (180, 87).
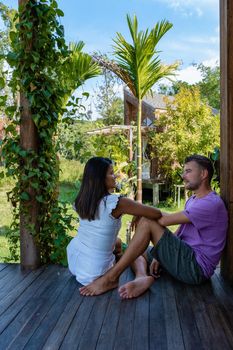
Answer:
(209, 85)
(73, 141)
(109, 104)
(187, 127)
(170, 90)
(7, 16)
(139, 66)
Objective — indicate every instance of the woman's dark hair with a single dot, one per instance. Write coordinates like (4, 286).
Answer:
(203, 162)
(93, 187)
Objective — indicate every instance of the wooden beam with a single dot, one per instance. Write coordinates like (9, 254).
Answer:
(226, 156)
(29, 210)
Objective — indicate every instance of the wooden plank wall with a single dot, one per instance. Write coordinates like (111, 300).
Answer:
(226, 158)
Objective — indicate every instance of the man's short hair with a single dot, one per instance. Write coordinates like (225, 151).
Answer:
(203, 162)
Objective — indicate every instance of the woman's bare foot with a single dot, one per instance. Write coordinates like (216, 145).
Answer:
(99, 286)
(136, 287)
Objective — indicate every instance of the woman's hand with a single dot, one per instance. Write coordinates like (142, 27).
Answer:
(155, 268)
(134, 222)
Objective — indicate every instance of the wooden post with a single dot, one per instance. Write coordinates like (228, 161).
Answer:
(130, 143)
(155, 191)
(139, 152)
(29, 211)
(226, 156)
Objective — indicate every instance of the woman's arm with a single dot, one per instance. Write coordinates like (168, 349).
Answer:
(128, 206)
(173, 219)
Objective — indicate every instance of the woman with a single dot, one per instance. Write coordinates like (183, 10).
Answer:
(90, 253)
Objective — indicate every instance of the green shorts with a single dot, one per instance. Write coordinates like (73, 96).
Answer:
(177, 258)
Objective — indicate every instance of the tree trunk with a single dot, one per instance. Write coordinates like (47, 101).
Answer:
(139, 152)
(29, 210)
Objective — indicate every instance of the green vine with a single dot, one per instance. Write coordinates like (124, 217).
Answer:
(37, 59)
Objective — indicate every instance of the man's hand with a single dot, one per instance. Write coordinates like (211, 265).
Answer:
(134, 222)
(155, 268)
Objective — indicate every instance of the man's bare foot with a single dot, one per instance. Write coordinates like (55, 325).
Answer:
(99, 286)
(136, 287)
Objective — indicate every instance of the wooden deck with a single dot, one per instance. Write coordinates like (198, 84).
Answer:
(44, 310)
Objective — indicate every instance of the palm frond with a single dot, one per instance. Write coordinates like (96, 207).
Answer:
(77, 68)
(140, 58)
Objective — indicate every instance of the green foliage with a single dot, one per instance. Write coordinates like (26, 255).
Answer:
(71, 171)
(116, 147)
(140, 68)
(7, 16)
(210, 84)
(38, 58)
(73, 141)
(186, 128)
(173, 89)
(109, 105)
(76, 69)
(139, 61)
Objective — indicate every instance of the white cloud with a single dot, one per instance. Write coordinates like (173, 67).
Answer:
(212, 62)
(203, 39)
(192, 7)
(190, 74)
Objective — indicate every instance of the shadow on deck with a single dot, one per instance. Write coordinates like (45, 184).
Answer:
(44, 310)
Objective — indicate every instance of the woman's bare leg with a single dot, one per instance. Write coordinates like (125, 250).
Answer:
(147, 230)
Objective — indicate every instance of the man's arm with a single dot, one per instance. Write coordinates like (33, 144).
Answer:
(173, 219)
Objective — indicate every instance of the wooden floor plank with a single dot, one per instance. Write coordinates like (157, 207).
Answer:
(39, 337)
(3, 266)
(217, 316)
(63, 325)
(202, 313)
(191, 336)
(124, 332)
(9, 274)
(44, 310)
(90, 335)
(140, 336)
(36, 311)
(38, 286)
(110, 324)
(77, 327)
(8, 282)
(30, 315)
(225, 300)
(157, 327)
(10, 297)
(172, 322)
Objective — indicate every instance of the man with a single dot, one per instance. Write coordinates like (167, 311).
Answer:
(192, 254)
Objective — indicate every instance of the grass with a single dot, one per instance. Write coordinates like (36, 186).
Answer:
(5, 220)
(69, 186)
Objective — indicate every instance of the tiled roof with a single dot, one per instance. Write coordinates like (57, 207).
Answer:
(158, 100)
(155, 100)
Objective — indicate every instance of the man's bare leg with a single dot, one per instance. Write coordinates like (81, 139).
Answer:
(140, 284)
(146, 231)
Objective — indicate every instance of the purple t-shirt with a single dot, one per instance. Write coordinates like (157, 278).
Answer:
(206, 233)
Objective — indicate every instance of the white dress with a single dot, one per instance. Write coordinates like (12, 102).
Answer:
(90, 253)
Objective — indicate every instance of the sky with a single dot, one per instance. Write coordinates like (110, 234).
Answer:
(194, 37)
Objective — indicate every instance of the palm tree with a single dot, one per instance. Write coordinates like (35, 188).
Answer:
(139, 66)
(77, 68)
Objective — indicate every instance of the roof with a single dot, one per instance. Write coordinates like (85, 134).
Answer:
(157, 101)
